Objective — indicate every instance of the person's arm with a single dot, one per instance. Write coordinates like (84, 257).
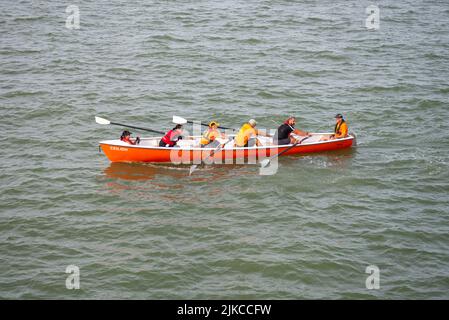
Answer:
(179, 135)
(261, 133)
(345, 130)
(175, 137)
(129, 141)
(134, 141)
(213, 136)
(301, 133)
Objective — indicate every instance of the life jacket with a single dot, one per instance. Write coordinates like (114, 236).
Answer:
(167, 138)
(127, 140)
(245, 132)
(338, 127)
(208, 136)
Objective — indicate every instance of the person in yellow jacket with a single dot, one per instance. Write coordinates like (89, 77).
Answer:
(209, 138)
(246, 137)
(340, 130)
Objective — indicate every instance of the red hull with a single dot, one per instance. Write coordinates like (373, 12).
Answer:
(118, 152)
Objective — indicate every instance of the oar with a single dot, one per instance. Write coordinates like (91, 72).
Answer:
(180, 120)
(105, 121)
(219, 148)
(266, 162)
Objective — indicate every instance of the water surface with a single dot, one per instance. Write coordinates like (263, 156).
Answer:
(151, 231)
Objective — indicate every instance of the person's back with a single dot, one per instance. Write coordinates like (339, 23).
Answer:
(244, 134)
(171, 137)
(282, 135)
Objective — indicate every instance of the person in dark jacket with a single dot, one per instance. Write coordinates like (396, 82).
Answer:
(284, 132)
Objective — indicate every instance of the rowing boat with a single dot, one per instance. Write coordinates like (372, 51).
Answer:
(188, 150)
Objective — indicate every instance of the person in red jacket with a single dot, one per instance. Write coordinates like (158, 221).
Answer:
(171, 137)
(126, 137)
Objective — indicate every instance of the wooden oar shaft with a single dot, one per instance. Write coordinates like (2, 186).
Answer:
(219, 148)
(138, 128)
(284, 151)
(203, 124)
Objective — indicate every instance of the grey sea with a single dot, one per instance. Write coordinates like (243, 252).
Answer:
(325, 226)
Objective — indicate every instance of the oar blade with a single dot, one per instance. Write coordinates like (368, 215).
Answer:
(264, 163)
(102, 120)
(179, 120)
(192, 169)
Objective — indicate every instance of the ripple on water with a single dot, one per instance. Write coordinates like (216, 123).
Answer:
(153, 231)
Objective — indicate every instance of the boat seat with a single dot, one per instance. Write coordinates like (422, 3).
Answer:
(188, 143)
(265, 141)
(149, 143)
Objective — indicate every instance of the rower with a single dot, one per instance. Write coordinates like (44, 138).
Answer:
(171, 137)
(284, 132)
(209, 138)
(340, 129)
(126, 137)
(246, 137)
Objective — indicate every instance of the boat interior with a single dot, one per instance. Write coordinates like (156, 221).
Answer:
(194, 141)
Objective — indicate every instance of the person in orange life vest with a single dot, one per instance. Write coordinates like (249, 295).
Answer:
(246, 137)
(171, 137)
(209, 138)
(126, 137)
(283, 133)
(340, 130)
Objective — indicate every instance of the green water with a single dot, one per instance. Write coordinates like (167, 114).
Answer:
(147, 231)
